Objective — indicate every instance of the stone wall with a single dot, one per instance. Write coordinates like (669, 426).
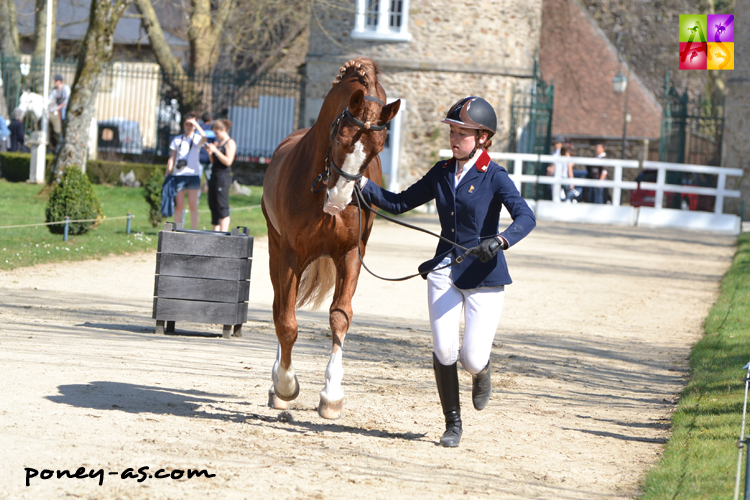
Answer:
(457, 49)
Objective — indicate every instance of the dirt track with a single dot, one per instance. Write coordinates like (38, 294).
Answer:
(588, 359)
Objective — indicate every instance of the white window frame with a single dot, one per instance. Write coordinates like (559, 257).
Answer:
(383, 31)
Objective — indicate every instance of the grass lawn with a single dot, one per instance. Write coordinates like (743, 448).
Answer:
(700, 458)
(21, 203)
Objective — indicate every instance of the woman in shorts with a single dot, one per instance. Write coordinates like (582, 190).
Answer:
(184, 165)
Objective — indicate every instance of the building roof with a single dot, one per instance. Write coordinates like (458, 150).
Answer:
(73, 21)
(580, 59)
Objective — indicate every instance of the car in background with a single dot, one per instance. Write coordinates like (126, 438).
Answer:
(684, 201)
(118, 135)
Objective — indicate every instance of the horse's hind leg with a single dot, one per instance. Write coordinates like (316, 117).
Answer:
(285, 282)
(340, 317)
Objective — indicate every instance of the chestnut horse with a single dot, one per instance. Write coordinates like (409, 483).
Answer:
(313, 234)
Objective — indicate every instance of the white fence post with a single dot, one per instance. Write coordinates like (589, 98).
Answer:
(517, 171)
(617, 191)
(720, 187)
(661, 177)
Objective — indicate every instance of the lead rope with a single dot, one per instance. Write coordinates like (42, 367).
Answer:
(457, 260)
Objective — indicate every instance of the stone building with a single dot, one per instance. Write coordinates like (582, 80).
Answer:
(431, 53)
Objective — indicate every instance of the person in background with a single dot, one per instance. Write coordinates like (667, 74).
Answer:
(222, 155)
(205, 122)
(597, 172)
(183, 164)
(17, 131)
(58, 102)
(569, 193)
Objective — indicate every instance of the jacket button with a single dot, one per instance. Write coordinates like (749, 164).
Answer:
(453, 230)
(451, 213)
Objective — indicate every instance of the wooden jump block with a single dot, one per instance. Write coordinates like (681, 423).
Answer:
(202, 277)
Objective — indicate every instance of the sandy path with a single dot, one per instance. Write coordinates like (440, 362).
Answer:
(588, 360)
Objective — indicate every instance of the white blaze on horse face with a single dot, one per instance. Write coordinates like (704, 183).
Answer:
(332, 392)
(283, 380)
(340, 195)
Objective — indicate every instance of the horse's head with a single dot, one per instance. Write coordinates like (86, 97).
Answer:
(357, 136)
(31, 102)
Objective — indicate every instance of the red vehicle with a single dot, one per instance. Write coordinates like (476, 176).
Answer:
(684, 201)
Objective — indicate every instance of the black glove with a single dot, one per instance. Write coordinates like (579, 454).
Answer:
(487, 249)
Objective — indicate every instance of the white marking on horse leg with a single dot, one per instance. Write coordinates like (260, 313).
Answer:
(332, 396)
(340, 195)
(285, 384)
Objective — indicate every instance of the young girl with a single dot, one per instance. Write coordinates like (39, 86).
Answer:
(469, 191)
(183, 163)
(222, 156)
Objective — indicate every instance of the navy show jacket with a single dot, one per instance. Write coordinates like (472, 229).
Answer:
(469, 213)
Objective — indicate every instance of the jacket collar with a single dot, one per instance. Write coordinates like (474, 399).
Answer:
(481, 163)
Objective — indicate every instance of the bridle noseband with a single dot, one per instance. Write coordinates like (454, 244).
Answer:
(330, 164)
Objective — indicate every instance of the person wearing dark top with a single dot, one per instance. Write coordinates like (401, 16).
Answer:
(17, 131)
(222, 156)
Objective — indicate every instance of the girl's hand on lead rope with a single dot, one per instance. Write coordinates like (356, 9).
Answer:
(487, 249)
(362, 182)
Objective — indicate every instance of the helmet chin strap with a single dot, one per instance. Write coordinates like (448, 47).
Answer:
(469, 156)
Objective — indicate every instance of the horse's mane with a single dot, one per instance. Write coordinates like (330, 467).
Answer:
(364, 69)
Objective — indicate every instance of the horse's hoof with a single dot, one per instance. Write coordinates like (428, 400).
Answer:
(291, 397)
(331, 410)
(275, 402)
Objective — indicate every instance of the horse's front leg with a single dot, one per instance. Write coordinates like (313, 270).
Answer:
(285, 281)
(340, 317)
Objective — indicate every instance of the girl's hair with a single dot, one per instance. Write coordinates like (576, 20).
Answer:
(565, 151)
(188, 116)
(221, 123)
(487, 143)
(18, 114)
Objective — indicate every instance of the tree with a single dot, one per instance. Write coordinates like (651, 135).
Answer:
(249, 35)
(95, 55)
(40, 29)
(205, 31)
(9, 45)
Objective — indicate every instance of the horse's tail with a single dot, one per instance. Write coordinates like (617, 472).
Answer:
(316, 283)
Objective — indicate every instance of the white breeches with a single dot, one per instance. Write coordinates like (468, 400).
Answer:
(482, 309)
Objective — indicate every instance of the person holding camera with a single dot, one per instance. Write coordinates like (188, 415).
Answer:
(222, 155)
(184, 165)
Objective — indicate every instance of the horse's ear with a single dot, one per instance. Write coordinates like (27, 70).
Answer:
(357, 102)
(390, 111)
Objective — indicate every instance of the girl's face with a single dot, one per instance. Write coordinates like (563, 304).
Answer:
(220, 132)
(189, 128)
(463, 141)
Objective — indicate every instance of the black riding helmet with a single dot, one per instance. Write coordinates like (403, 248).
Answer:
(473, 112)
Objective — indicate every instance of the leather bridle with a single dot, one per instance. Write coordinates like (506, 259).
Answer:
(329, 163)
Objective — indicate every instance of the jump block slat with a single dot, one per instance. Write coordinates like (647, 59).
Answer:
(196, 266)
(221, 313)
(206, 245)
(172, 287)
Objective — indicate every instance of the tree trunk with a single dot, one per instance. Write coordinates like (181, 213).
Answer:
(204, 34)
(9, 45)
(96, 54)
(40, 29)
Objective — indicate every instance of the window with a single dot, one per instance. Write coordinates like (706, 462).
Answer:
(386, 20)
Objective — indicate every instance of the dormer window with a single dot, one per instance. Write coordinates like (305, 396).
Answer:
(386, 20)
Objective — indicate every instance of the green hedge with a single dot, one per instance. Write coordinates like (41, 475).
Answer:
(16, 167)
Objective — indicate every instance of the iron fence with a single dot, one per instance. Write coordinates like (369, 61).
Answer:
(531, 126)
(139, 107)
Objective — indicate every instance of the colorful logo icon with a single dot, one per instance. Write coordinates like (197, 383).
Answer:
(706, 41)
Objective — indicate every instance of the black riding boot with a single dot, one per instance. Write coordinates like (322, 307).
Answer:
(447, 384)
(481, 389)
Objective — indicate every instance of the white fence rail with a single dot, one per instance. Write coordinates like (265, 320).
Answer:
(616, 213)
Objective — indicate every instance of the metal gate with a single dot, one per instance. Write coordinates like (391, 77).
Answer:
(691, 128)
(531, 126)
